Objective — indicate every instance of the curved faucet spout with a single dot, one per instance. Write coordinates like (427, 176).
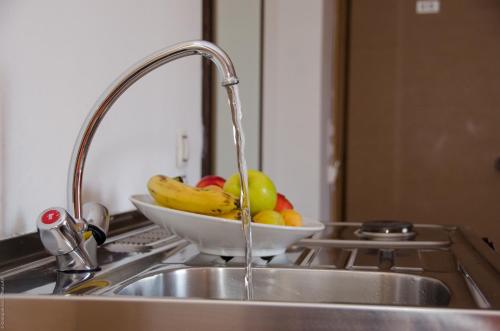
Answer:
(127, 79)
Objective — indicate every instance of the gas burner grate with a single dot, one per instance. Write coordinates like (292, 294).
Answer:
(386, 230)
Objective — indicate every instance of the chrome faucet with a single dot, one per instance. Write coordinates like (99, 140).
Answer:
(74, 241)
(73, 235)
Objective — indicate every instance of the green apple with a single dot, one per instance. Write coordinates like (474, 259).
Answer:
(269, 217)
(262, 191)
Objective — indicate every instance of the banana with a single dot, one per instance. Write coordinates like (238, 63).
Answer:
(232, 215)
(171, 193)
(213, 188)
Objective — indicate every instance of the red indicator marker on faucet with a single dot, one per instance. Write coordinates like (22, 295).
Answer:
(50, 216)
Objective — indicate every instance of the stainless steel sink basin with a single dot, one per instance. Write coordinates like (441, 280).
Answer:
(291, 285)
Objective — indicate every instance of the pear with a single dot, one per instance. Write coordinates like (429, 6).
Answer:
(270, 217)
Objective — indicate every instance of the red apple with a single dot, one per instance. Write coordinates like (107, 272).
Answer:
(211, 180)
(282, 203)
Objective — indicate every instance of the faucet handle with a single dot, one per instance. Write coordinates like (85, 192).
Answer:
(59, 232)
(97, 218)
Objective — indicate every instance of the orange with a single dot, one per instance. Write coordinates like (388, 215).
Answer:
(292, 217)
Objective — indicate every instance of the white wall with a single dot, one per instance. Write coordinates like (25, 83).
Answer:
(237, 30)
(56, 58)
(297, 101)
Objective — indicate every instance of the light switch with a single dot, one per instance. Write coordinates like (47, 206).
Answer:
(182, 149)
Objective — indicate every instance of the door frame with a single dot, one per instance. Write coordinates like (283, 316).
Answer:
(340, 115)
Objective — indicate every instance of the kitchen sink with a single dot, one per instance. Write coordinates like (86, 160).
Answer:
(291, 285)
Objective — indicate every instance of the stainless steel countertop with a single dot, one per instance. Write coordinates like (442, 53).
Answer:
(468, 267)
(126, 313)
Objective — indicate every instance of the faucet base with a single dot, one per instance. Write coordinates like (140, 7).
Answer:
(81, 259)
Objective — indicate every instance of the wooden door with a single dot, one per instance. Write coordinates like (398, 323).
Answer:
(423, 113)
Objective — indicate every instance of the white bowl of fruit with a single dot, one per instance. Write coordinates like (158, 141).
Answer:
(208, 215)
